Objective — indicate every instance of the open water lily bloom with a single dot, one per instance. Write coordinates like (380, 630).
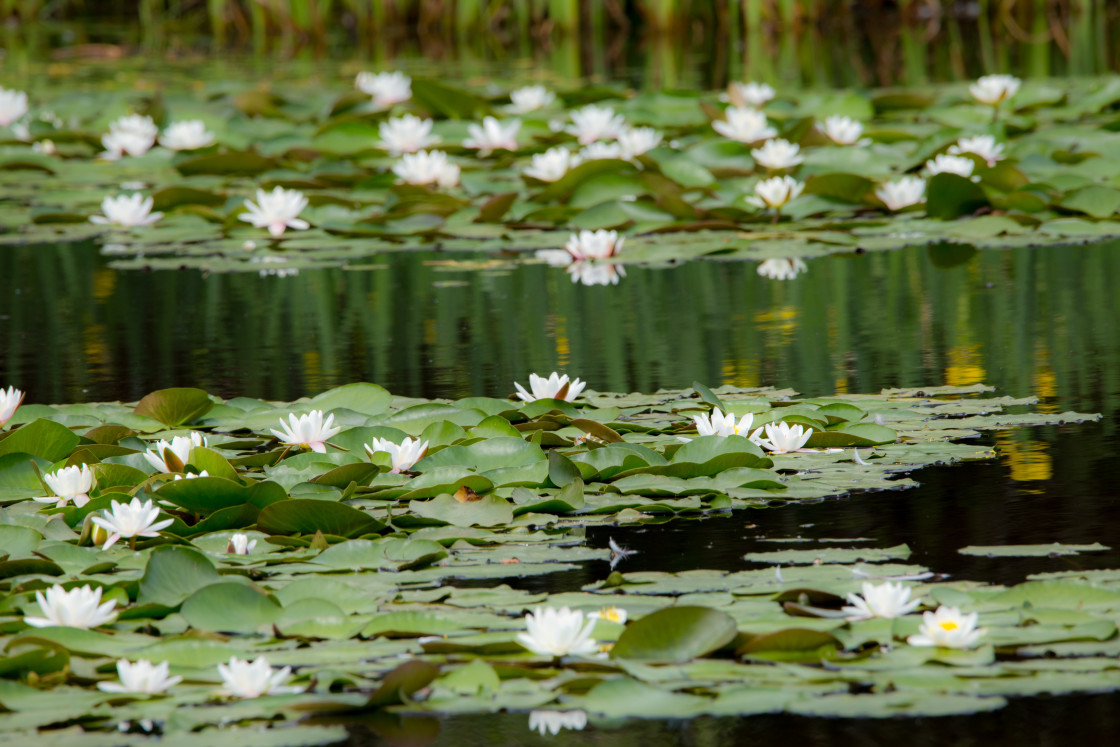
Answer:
(405, 454)
(558, 632)
(775, 192)
(143, 678)
(984, 146)
(277, 210)
(781, 269)
(427, 167)
(750, 94)
(180, 446)
(385, 88)
(600, 244)
(530, 99)
(69, 484)
(81, 607)
(886, 600)
(307, 431)
(554, 387)
(130, 520)
(949, 164)
(778, 154)
(13, 105)
(406, 134)
(252, 679)
(553, 722)
(127, 211)
(782, 438)
(635, 141)
(843, 130)
(902, 193)
(716, 423)
(600, 151)
(593, 123)
(744, 124)
(994, 89)
(947, 628)
(189, 134)
(10, 400)
(552, 164)
(492, 135)
(134, 135)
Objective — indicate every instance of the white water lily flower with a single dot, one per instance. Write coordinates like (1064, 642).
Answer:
(716, 423)
(308, 430)
(781, 269)
(240, 544)
(599, 151)
(553, 722)
(180, 446)
(596, 273)
(492, 135)
(599, 244)
(638, 140)
(77, 608)
(558, 632)
(134, 135)
(947, 628)
(404, 455)
(778, 154)
(984, 146)
(782, 438)
(385, 88)
(69, 484)
(593, 123)
(775, 192)
(189, 134)
(554, 387)
(610, 614)
(276, 210)
(141, 677)
(947, 164)
(552, 164)
(994, 89)
(45, 146)
(530, 99)
(126, 210)
(129, 520)
(843, 130)
(750, 94)
(426, 167)
(406, 134)
(252, 679)
(745, 125)
(907, 191)
(10, 400)
(883, 601)
(13, 105)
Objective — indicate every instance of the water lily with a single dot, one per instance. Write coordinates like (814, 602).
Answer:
(492, 135)
(599, 151)
(843, 130)
(716, 423)
(385, 88)
(127, 211)
(994, 89)
(276, 210)
(596, 273)
(554, 387)
(884, 601)
(130, 520)
(775, 192)
(900, 194)
(10, 400)
(69, 484)
(308, 430)
(553, 722)
(141, 677)
(782, 438)
(13, 105)
(552, 164)
(744, 124)
(948, 164)
(77, 608)
(406, 134)
(947, 628)
(750, 94)
(610, 614)
(530, 99)
(984, 146)
(252, 679)
(180, 446)
(426, 167)
(599, 244)
(635, 141)
(593, 123)
(240, 544)
(558, 632)
(134, 135)
(781, 269)
(189, 134)
(404, 455)
(777, 154)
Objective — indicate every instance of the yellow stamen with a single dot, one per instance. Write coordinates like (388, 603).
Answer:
(949, 625)
(610, 613)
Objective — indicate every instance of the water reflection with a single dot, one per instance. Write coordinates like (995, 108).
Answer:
(782, 269)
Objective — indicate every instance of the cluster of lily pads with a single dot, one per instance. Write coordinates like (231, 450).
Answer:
(760, 176)
(186, 563)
